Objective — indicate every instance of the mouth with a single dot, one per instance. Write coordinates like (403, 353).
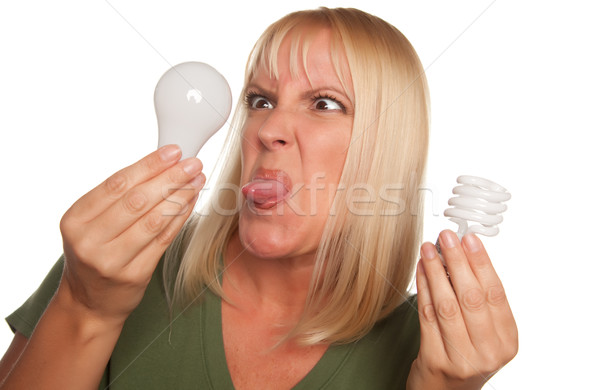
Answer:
(267, 188)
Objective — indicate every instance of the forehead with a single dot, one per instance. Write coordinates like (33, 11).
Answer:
(310, 53)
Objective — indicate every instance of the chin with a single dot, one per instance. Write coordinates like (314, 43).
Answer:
(262, 242)
(267, 239)
(277, 236)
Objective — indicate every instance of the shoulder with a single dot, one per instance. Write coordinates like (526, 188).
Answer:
(26, 317)
(383, 358)
(404, 318)
(398, 333)
(159, 347)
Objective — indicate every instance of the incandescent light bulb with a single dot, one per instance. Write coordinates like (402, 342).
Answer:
(192, 101)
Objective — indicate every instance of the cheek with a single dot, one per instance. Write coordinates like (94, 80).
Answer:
(330, 152)
(246, 140)
(331, 138)
(322, 172)
(249, 152)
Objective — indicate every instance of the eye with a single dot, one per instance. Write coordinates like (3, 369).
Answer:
(258, 102)
(328, 103)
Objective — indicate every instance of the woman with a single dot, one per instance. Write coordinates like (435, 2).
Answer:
(302, 273)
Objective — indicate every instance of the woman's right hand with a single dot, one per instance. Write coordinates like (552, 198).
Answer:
(115, 235)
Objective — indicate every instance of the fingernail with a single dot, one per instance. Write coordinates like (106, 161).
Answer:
(473, 243)
(169, 152)
(427, 251)
(198, 181)
(192, 166)
(449, 239)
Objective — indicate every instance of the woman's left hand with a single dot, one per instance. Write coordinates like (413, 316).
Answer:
(468, 331)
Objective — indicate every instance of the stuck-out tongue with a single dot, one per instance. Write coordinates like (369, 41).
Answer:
(264, 193)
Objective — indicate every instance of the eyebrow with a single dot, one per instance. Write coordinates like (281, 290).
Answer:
(261, 91)
(313, 92)
(306, 95)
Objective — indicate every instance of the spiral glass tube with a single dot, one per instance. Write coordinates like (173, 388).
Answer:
(478, 200)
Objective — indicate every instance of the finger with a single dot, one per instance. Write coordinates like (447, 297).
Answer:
(431, 338)
(138, 201)
(147, 259)
(491, 285)
(473, 305)
(155, 225)
(109, 191)
(447, 310)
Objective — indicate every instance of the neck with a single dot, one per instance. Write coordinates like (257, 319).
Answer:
(279, 286)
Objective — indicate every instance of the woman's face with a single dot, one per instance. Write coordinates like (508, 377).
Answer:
(294, 145)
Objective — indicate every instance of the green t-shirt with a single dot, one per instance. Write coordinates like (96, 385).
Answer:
(186, 352)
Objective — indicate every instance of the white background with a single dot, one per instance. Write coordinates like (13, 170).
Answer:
(514, 88)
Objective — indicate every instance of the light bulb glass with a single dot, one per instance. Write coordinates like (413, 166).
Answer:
(478, 200)
(192, 101)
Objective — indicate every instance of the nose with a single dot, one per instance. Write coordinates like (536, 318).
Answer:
(277, 131)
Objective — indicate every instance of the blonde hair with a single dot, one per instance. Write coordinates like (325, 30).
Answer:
(366, 258)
